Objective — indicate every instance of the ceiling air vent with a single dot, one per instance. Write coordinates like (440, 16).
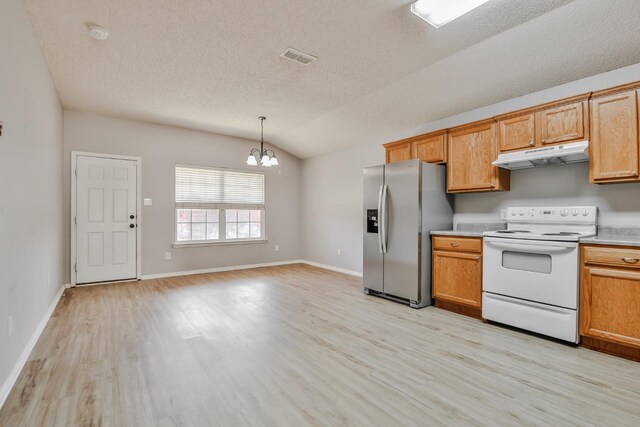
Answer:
(297, 56)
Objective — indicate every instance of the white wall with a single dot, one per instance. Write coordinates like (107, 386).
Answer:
(332, 183)
(161, 147)
(30, 186)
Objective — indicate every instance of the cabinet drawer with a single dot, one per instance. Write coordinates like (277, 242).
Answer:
(612, 256)
(458, 244)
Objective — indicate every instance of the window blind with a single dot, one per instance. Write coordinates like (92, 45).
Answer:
(198, 186)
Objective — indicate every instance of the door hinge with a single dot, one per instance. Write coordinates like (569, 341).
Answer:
(75, 267)
(75, 172)
(75, 219)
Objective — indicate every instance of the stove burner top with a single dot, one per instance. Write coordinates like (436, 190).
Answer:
(512, 231)
(561, 233)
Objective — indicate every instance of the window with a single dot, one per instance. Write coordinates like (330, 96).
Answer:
(218, 205)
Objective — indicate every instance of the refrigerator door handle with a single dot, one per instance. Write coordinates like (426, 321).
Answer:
(383, 218)
(380, 218)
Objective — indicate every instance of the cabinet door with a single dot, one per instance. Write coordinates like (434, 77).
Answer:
(398, 153)
(562, 124)
(457, 278)
(610, 305)
(516, 133)
(470, 154)
(431, 149)
(614, 138)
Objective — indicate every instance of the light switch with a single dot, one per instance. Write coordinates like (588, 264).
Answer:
(148, 202)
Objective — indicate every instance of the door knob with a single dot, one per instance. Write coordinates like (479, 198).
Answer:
(132, 226)
(132, 216)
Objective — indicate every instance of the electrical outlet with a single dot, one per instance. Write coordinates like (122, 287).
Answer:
(167, 256)
(503, 214)
(148, 202)
(339, 252)
(277, 248)
(10, 324)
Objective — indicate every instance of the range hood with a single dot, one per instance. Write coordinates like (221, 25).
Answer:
(555, 155)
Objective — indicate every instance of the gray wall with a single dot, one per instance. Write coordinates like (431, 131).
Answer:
(30, 185)
(161, 147)
(332, 183)
(332, 205)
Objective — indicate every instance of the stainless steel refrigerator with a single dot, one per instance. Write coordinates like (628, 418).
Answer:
(403, 202)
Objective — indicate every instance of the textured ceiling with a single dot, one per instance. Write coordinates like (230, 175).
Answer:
(214, 64)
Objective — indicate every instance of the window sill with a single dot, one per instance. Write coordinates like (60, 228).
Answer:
(224, 243)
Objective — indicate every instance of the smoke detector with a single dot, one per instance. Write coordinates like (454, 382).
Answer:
(98, 32)
(298, 56)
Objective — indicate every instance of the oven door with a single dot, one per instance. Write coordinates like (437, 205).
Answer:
(533, 270)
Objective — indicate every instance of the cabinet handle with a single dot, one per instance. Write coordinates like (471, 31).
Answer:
(531, 142)
(630, 260)
(455, 245)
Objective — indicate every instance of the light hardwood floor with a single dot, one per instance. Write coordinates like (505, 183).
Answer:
(295, 346)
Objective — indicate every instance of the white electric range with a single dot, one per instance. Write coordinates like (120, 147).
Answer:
(530, 270)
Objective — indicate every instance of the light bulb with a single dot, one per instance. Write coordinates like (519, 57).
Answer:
(274, 161)
(266, 161)
(251, 160)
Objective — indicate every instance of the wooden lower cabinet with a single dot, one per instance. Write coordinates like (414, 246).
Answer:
(610, 300)
(457, 274)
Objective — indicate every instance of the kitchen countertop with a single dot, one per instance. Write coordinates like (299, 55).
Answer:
(621, 236)
(471, 229)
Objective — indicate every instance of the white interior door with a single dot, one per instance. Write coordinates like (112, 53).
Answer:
(106, 215)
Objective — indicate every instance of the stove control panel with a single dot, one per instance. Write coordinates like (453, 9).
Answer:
(562, 214)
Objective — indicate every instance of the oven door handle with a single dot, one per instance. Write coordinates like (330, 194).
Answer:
(523, 247)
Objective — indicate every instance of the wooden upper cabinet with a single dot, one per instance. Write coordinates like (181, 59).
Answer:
(614, 153)
(557, 122)
(471, 150)
(516, 133)
(564, 123)
(398, 151)
(431, 148)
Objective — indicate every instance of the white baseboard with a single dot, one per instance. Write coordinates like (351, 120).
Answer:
(331, 267)
(24, 356)
(216, 269)
(246, 267)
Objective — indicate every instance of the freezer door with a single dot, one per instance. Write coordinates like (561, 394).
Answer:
(373, 258)
(402, 230)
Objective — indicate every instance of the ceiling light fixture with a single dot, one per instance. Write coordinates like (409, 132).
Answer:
(98, 32)
(267, 157)
(441, 12)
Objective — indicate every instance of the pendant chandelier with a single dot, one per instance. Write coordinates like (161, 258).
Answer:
(267, 157)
